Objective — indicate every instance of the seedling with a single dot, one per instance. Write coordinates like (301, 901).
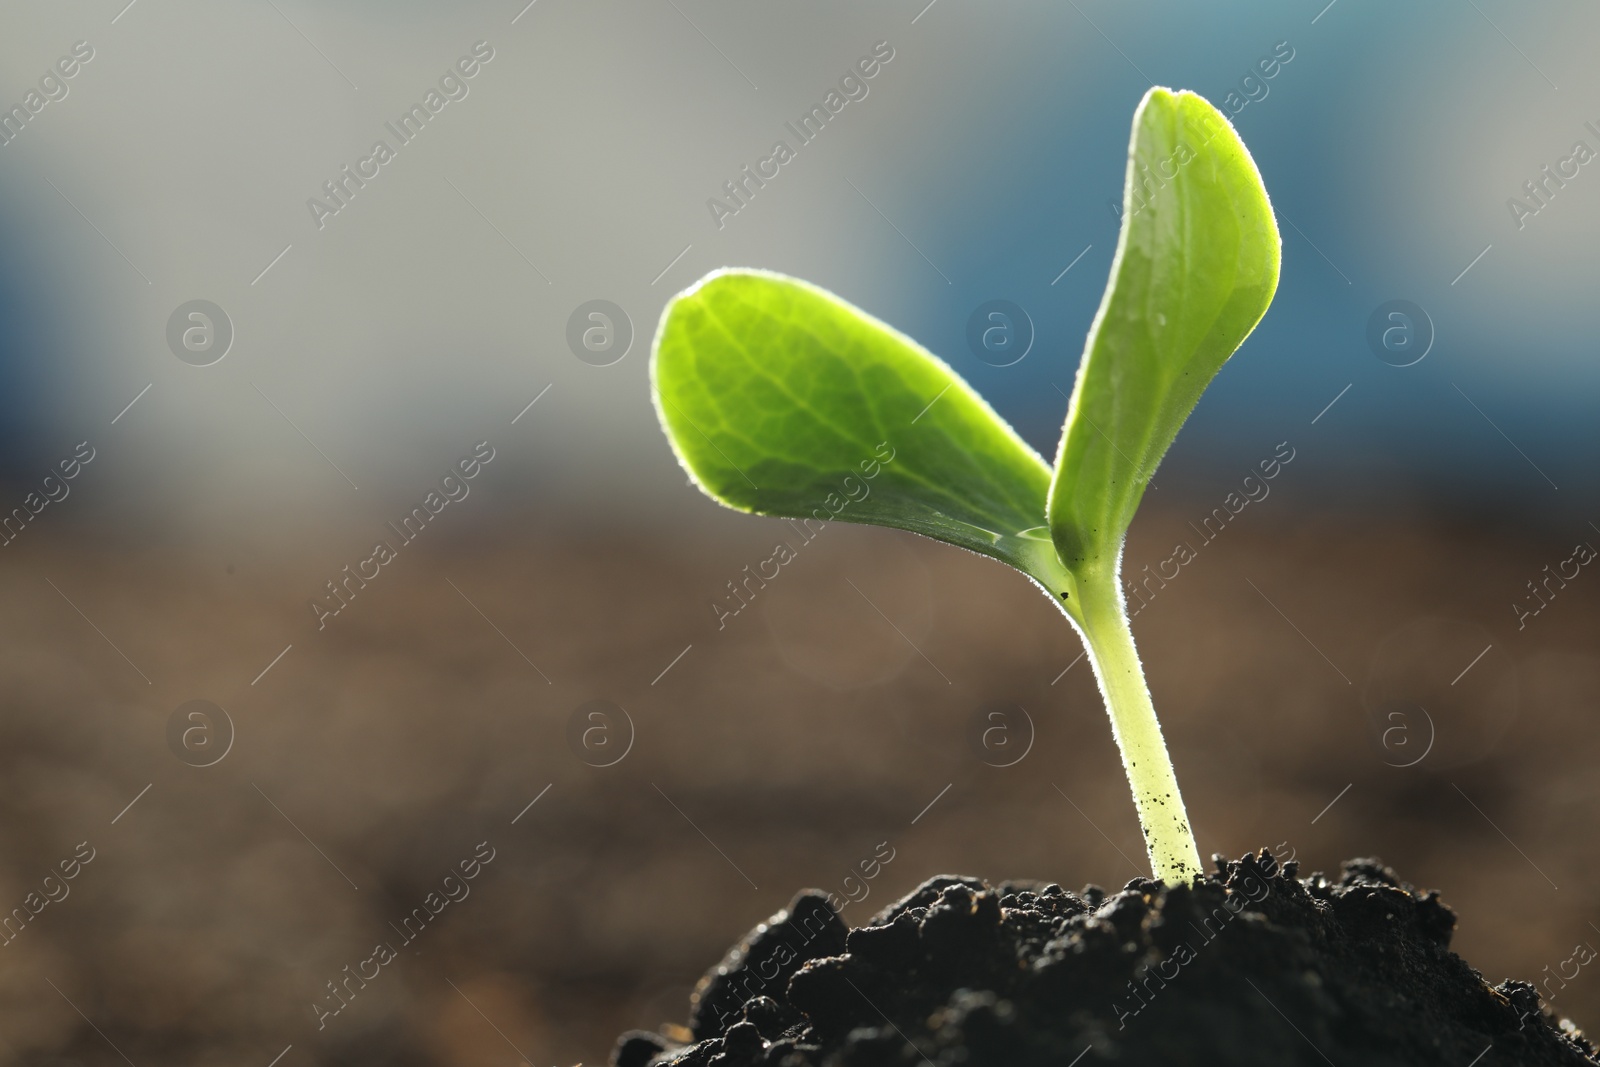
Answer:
(775, 395)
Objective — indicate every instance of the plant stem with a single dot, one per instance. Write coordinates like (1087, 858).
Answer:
(1103, 617)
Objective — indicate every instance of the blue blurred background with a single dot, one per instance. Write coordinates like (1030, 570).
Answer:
(986, 157)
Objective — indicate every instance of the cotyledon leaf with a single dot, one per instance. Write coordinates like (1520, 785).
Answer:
(781, 399)
(1195, 268)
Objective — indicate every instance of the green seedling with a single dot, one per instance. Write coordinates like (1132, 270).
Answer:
(775, 395)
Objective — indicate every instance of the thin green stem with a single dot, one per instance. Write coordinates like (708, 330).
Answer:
(1103, 617)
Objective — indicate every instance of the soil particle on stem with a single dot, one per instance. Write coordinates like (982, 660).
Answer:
(1249, 966)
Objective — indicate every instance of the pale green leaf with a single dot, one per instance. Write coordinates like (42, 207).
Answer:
(781, 399)
(1195, 268)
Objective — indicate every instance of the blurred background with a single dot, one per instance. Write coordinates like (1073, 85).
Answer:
(241, 345)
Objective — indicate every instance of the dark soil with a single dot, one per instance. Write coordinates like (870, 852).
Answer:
(1251, 966)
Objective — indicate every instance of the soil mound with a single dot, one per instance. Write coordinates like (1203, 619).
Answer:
(1252, 965)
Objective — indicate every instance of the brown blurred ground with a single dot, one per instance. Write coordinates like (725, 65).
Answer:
(775, 754)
